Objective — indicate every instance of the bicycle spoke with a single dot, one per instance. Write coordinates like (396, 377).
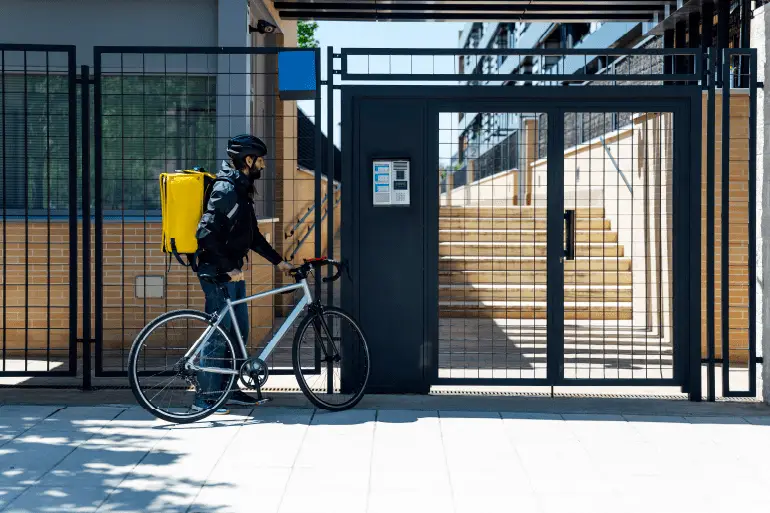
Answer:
(161, 352)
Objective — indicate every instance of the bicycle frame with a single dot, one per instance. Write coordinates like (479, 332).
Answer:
(307, 298)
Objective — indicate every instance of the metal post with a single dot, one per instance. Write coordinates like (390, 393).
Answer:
(723, 35)
(98, 217)
(73, 210)
(752, 224)
(745, 43)
(680, 41)
(707, 40)
(710, 238)
(725, 289)
(668, 61)
(555, 248)
(694, 41)
(85, 125)
(330, 168)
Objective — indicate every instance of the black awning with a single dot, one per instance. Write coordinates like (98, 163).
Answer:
(477, 10)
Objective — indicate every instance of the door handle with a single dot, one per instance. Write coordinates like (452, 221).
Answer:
(571, 234)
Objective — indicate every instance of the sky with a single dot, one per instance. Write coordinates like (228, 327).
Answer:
(345, 34)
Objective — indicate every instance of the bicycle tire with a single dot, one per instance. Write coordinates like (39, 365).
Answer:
(306, 389)
(133, 377)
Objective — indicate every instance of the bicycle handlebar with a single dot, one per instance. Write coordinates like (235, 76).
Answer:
(301, 272)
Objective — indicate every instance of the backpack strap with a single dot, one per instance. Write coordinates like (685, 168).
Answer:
(192, 258)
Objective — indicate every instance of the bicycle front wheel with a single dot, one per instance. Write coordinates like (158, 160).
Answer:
(331, 359)
(160, 380)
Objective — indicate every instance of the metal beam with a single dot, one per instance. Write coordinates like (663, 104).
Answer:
(502, 10)
(354, 15)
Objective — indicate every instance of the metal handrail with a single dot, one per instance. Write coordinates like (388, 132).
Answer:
(310, 210)
(615, 164)
(311, 228)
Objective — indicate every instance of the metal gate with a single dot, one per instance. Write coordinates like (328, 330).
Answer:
(584, 270)
(40, 221)
(560, 243)
(161, 109)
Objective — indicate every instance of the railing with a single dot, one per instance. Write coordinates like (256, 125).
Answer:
(615, 165)
(312, 226)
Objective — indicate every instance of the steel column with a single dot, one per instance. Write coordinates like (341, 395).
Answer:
(85, 130)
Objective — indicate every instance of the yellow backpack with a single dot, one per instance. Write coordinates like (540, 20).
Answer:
(183, 198)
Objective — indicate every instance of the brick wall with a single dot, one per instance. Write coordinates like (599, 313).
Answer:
(131, 249)
(738, 228)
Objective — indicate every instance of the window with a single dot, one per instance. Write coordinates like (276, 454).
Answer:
(153, 124)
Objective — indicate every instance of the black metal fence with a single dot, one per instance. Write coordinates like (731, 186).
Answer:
(39, 158)
(81, 261)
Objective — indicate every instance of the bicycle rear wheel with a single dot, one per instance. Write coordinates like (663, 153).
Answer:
(156, 367)
(331, 359)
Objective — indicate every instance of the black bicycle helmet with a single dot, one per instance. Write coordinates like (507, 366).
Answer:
(244, 145)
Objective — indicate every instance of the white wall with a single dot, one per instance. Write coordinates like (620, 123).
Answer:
(89, 23)
(760, 26)
(495, 190)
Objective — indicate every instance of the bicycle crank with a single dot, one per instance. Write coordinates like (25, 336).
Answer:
(254, 373)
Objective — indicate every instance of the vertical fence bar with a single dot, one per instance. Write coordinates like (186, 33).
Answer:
(725, 289)
(73, 208)
(752, 223)
(710, 239)
(25, 101)
(745, 42)
(98, 232)
(555, 247)
(694, 42)
(723, 36)
(85, 104)
(318, 165)
(330, 168)
(668, 60)
(707, 39)
(5, 213)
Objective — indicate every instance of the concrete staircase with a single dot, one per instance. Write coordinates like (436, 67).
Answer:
(493, 265)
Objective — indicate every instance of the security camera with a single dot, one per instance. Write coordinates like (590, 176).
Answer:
(263, 27)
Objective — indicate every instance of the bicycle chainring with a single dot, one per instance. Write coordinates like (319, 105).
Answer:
(254, 373)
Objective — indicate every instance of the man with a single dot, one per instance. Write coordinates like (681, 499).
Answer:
(227, 231)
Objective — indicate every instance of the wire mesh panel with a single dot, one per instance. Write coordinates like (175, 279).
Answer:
(492, 246)
(618, 184)
(38, 223)
(162, 110)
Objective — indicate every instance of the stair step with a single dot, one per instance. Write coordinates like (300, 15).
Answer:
(526, 292)
(525, 249)
(520, 236)
(532, 310)
(513, 212)
(502, 263)
(593, 278)
(515, 223)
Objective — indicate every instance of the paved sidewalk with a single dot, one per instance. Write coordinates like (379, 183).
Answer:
(276, 459)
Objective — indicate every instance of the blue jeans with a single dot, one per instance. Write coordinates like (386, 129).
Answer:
(215, 351)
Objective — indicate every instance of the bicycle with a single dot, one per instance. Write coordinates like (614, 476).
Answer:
(194, 356)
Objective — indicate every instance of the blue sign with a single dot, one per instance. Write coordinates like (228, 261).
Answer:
(297, 77)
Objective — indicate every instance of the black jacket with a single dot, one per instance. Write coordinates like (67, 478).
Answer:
(228, 228)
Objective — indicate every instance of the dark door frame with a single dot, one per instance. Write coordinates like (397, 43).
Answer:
(685, 104)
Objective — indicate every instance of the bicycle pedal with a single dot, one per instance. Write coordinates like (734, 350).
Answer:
(262, 401)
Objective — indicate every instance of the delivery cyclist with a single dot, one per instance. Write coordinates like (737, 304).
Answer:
(226, 233)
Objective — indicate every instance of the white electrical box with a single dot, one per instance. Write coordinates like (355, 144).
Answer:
(391, 182)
